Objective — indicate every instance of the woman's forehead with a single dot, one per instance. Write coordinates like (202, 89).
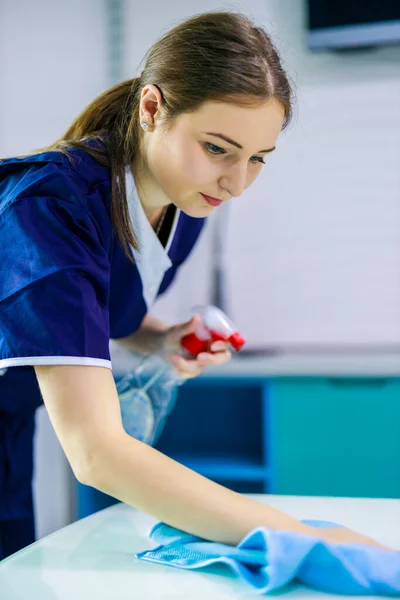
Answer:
(255, 125)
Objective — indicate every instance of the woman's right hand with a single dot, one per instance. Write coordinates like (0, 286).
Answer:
(342, 535)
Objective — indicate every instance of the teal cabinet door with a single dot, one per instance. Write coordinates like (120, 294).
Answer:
(337, 436)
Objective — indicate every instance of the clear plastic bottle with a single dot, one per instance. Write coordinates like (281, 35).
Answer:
(136, 408)
(148, 393)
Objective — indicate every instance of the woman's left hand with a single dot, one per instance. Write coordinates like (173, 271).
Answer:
(218, 353)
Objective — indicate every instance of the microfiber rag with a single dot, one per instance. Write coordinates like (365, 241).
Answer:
(268, 559)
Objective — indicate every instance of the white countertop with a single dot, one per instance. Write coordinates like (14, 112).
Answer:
(94, 558)
(329, 364)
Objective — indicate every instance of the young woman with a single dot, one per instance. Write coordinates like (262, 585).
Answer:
(92, 229)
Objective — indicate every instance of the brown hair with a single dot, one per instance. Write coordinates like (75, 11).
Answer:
(212, 56)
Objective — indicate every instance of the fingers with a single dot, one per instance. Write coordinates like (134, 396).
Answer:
(192, 368)
(210, 359)
(219, 346)
(189, 326)
(186, 368)
(177, 332)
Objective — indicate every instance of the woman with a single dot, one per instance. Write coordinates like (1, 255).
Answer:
(94, 228)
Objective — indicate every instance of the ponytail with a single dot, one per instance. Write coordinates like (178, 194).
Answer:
(113, 118)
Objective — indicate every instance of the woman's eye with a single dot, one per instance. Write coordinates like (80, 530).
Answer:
(258, 159)
(213, 149)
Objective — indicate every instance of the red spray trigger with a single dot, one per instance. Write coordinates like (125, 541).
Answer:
(237, 341)
(215, 326)
(193, 344)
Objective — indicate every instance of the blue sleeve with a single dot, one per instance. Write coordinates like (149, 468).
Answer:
(54, 273)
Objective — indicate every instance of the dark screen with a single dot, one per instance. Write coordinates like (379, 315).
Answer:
(335, 13)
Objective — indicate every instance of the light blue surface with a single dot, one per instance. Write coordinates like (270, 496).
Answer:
(269, 560)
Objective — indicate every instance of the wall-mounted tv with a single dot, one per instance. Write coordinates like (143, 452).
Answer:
(345, 24)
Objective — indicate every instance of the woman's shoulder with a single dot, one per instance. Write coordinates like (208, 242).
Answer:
(73, 161)
(50, 220)
(52, 173)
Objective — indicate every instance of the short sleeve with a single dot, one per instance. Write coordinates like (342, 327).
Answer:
(54, 275)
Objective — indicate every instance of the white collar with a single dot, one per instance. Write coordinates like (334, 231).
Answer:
(151, 259)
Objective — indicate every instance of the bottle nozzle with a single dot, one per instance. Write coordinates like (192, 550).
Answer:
(236, 340)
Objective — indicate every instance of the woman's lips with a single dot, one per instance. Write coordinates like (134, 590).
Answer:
(212, 201)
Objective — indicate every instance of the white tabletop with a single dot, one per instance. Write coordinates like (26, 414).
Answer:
(94, 558)
(314, 364)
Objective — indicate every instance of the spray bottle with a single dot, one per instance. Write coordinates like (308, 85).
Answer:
(144, 417)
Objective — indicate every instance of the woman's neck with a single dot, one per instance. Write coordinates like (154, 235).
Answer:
(156, 217)
(152, 198)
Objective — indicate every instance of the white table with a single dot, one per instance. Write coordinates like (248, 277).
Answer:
(94, 558)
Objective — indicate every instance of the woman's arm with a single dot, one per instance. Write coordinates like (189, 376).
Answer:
(148, 338)
(83, 406)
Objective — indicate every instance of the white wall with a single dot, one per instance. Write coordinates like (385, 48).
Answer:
(52, 62)
(320, 259)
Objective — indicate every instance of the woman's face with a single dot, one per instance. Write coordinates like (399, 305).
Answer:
(216, 151)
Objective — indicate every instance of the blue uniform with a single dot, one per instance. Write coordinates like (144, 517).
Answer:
(66, 289)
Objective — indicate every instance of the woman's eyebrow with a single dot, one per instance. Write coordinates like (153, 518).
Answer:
(226, 139)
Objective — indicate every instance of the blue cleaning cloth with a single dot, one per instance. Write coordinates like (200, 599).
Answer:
(268, 559)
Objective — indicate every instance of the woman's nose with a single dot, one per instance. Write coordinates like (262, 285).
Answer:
(235, 180)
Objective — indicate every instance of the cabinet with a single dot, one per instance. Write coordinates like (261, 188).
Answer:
(222, 429)
(337, 436)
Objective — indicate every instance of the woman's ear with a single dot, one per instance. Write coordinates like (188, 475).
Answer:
(150, 104)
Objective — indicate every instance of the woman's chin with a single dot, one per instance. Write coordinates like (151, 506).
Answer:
(198, 211)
